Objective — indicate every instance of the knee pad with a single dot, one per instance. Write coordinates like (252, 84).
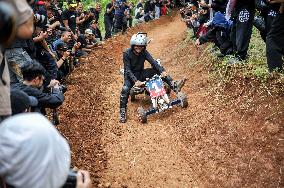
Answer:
(125, 90)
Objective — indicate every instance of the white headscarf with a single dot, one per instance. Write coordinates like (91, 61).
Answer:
(32, 152)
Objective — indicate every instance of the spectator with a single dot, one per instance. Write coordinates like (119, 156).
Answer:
(31, 136)
(216, 5)
(34, 154)
(70, 17)
(275, 41)
(23, 30)
(158, 5)
(65, 38)
(219, 33)
(64, 61)
(108, 18)
(242, 12)
(139, 17)
(119, 15)
(95, 30)
(33, 76)
(87, 41)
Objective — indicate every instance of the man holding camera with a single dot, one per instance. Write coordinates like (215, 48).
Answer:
(87, 41)
(33, 76)
(63, 61)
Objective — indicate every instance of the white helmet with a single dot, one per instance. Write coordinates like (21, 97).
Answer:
(139, 39)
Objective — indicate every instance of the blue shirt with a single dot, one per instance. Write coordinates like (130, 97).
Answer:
(55, 43)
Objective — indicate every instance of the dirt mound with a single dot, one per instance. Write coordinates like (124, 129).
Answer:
(221, 140)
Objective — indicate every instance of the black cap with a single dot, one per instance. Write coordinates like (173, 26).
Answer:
(20, 101)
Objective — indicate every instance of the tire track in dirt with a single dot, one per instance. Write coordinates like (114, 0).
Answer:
(204, 145)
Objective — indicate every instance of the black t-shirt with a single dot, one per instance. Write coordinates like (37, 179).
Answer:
(96, 14)
(71, 17)
(111, 14)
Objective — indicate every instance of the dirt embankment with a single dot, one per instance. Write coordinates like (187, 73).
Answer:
(226, 138)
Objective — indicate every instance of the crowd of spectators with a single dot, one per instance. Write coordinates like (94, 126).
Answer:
(229, 24)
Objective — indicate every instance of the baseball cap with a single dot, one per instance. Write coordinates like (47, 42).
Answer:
(88, 31)
(20, 101)
(40, 3)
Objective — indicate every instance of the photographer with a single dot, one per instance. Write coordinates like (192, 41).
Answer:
(64, 61)
(10, 11)
(87, 41)
(34, 155)
(33, 76)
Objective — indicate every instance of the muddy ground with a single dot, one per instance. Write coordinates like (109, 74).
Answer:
(230, 135)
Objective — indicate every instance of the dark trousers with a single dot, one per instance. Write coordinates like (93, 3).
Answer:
(275, 44)
(241, 31)
(108, 26)
(128, 84)
(118, 23)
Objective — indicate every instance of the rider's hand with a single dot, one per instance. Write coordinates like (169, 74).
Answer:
(164, 74)
(83, 179)
(138, 83)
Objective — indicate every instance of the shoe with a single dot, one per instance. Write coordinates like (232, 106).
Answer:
(178, 85)
(122, 115)
(213, 49)
(220, 55)
(233, 60)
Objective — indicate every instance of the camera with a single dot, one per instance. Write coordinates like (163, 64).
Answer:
(71, 53)
(71, 180)
(61, 28)
(63, 88)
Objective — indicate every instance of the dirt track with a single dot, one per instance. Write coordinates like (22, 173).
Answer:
(208, 144)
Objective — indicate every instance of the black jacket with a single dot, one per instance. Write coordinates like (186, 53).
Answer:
(134, 64)
(45, 100)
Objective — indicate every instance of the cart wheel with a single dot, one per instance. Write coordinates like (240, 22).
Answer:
(132, 95)
(183, 100)
(142, 115)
